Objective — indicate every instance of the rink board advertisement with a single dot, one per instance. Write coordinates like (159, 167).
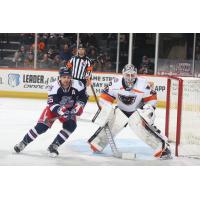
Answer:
(26, 83)
(34, 83)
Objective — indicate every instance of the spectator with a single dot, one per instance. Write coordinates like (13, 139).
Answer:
(29, 60)
(101, 59)
(146, 67)
(74, 50)
(46, 62)
(20, 56)
(51, 54)
(65, 53)
(92, 54)
(44, 38)
(110, 37)
(41, 45)
(40, 49)
(108, 63)
(57, 62)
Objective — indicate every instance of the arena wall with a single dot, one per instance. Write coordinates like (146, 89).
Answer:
(26, 83)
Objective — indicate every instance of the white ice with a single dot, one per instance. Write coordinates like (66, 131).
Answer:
(17, 116)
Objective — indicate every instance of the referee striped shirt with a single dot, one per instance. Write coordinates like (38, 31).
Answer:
(81, 68)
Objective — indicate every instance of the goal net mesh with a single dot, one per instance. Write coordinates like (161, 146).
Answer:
(185, 112)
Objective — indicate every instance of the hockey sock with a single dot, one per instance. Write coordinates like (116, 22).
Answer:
(34, 132)
(61, 137)
(30, 136)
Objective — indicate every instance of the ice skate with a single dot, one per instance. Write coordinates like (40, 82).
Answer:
(19, 147)
(166, 154)
(53, 150)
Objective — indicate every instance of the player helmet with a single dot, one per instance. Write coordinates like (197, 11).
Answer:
(64, 71)
(129, 73)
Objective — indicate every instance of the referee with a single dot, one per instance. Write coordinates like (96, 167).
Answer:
(81, 66)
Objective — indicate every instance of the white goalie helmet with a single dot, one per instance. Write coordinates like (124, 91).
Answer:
(129, 73)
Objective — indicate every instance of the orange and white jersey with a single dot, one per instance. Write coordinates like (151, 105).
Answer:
(129, 100)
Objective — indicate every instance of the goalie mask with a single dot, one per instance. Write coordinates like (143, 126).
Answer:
(129, 74)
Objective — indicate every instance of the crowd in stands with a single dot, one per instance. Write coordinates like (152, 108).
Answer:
(55, 49)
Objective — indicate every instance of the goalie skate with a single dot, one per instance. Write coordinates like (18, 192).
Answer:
(164, 155)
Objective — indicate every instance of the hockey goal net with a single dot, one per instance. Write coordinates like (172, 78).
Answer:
(182, 124)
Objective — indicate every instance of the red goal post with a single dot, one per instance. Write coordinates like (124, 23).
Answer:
(182, 122)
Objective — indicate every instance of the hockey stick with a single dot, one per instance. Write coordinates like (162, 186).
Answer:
(97, 102)
(95, 97)
(78, 118)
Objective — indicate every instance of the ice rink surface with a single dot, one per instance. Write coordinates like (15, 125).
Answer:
(17, 116)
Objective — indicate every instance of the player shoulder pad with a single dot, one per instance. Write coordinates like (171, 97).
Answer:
(53, 88)
(78, 85)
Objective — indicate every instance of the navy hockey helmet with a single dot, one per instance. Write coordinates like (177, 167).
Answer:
(64, 71)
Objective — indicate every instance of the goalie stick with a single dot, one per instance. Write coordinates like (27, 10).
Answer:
(114, 149)
(112, 144)
(95, 97)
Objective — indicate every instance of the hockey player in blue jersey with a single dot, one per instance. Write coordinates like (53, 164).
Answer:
(66, 100)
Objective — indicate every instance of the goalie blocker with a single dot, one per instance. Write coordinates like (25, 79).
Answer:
(140, 121)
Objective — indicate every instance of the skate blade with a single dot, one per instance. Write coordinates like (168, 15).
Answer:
(53, 155)
(128, 156)
(169, 157)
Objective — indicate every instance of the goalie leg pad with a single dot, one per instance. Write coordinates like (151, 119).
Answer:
(146, 132)
(106, 114)
(100, 140)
